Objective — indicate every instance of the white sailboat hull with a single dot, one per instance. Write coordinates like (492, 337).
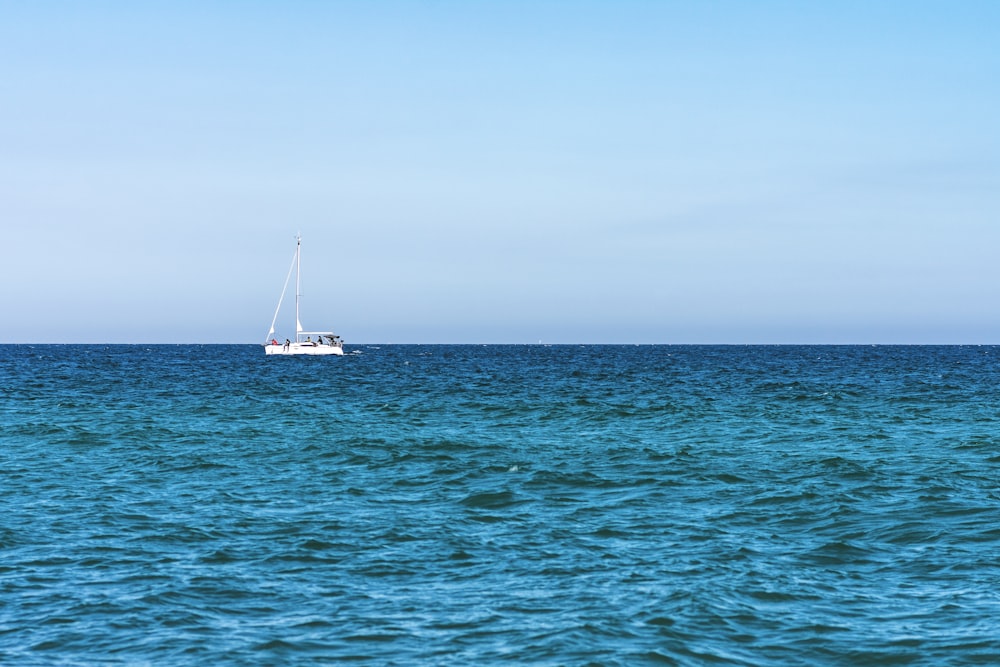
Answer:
(304, 349)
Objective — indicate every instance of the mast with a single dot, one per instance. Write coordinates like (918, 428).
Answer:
(298, 283)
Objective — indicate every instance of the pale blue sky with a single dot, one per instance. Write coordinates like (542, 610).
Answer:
(665, 172)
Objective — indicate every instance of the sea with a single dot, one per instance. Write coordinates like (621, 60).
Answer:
(499, 505)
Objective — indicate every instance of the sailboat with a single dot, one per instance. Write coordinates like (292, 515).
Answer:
(311, 343)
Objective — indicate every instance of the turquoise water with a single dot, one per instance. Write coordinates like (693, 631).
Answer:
(446, 505)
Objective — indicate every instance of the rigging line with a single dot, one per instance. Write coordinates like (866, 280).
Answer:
(283, 290)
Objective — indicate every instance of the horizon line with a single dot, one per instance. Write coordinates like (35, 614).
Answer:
(550, 344)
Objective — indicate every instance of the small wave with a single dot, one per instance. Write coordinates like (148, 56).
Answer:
(491, 500)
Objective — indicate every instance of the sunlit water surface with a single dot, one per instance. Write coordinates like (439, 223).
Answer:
(500, 505)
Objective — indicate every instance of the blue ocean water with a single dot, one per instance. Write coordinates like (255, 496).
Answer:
(442, 505)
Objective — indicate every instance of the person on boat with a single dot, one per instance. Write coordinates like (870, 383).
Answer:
(274, 341)
(287, 344)
(319, 340)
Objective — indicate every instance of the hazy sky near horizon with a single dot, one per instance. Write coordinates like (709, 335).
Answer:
(653, 172)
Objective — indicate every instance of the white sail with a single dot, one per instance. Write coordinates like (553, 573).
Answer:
(284, 289)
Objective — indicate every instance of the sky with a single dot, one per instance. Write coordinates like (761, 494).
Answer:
(501, 172)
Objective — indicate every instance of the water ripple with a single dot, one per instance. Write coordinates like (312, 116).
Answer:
(526, 504)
